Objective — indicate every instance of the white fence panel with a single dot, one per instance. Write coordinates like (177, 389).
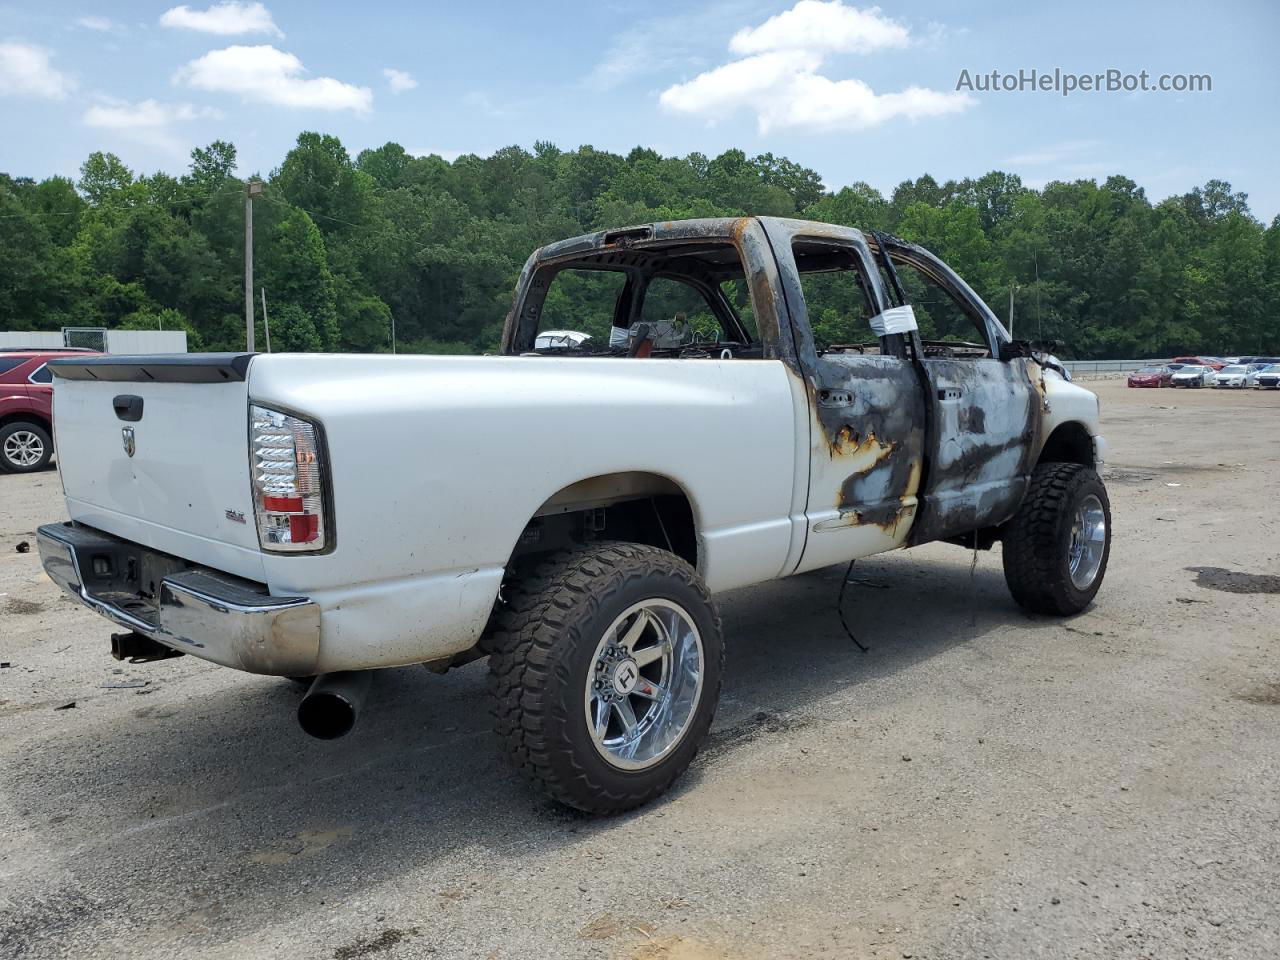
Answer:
(146, 341)
(42, 340)
(1101, 369)
(118, 341)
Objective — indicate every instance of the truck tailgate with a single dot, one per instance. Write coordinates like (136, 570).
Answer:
(154, 449)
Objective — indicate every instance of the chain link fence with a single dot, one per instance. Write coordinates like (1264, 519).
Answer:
(1106, 369)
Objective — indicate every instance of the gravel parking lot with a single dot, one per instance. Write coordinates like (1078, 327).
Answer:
(983, 783)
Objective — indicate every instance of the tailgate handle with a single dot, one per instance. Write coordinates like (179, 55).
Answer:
(128, 407)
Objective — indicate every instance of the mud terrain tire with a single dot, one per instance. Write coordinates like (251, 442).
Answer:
(546, 642)
(1045, 536)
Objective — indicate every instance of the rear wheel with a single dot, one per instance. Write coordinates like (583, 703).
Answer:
(605, 673)
(1056, 547)
(24, 447)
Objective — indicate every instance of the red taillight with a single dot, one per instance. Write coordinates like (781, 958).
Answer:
(282, 504)
(304, 528)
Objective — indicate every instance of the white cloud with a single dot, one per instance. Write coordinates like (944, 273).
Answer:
(787, 93)
(817, 26)
(100, 24)
(399, 80)
(268, 75)
(777, 75)
(735, 84)
(143, 115)
(147, 122)
(228, 19)
(28, 71)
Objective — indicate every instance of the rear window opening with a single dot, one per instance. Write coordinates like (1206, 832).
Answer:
(679, 300)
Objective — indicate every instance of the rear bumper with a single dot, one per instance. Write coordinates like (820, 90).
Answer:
(208, 614)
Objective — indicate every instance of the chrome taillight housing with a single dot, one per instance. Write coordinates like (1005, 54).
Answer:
(287, 461)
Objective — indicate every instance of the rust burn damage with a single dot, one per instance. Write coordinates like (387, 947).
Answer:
(869, 414)
(865, 452)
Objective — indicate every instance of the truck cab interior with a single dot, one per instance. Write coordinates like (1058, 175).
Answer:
(685, 299)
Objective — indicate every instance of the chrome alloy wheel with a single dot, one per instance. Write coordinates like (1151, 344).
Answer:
(23, 448)
(1088, 542)
(645, 684)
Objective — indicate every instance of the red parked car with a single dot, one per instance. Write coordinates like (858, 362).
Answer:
(1151, 377)
(1200, 362)
(26, 408)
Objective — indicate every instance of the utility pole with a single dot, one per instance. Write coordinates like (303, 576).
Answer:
(1012, 287)
(253, 188)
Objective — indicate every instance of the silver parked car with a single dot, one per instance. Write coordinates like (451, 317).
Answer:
(1192, 376)
(1238, 375)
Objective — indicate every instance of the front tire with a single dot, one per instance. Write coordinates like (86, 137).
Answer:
(605, 673)
(1056, 546)
(25, 447)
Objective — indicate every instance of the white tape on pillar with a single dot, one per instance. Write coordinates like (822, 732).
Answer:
(894, 320)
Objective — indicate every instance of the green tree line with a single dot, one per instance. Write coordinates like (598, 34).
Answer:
(345, 247)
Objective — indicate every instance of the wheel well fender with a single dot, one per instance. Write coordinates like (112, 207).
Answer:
(26, 416)
(1069, 442)
(635, 506)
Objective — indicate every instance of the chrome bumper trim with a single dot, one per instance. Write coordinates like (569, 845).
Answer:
(201, 613)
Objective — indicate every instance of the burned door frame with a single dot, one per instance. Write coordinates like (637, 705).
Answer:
(984, 416)
(866, 417)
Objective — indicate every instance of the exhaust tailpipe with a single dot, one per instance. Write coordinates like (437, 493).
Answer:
(331, 706)
(136, 648)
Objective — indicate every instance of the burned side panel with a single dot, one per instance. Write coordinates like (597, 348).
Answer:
(984, 418)
(870, 416)
(866, 456)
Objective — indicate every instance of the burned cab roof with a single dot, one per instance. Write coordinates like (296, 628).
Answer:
(645, 235)
(706, 244)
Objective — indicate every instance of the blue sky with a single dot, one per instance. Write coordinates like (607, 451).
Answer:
(856, 92)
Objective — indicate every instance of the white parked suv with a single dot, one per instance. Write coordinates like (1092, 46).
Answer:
(314, 516)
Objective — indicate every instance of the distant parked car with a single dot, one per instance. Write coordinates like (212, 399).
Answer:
(1192, 376)
(1268, 377)
(1200, 362)
(1236, 375)
(1151, 377)
(26, 409)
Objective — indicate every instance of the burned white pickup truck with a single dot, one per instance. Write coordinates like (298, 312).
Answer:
(567, 509)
